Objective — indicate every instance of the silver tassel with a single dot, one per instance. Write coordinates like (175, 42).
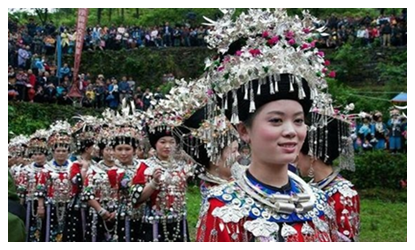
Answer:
(276, 79)
(252, 106)
(259, 87)
(246, 91)
(271, 85)
(301, 93)
(252, 101)
(291, 83)
(234, 119)
(226, 102)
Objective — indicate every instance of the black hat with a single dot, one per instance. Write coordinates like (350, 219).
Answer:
(160, 132)
(287, 90)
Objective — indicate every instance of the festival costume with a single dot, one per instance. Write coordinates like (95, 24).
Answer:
(379, 131)
(164, 214)
(329, 139)
(264, 56)
(345, 201)
(248, 210)
(32, 185)
(395, 127)
(83, 133)
(17, 148)
(125, 128)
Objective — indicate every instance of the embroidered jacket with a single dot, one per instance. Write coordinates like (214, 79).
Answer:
(234, 214)
(345, 201)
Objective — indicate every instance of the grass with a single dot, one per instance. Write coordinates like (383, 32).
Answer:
(193, 206)
(380, 220)
(383, 221)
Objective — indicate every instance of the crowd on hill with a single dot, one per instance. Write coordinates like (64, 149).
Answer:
(33, 78)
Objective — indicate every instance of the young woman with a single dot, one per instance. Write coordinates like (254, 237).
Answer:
(101, 193)
(217, 161)
(163, 201)
(266, 80)
(84, 133)
(32, 186)
(58, 184)
(125, 142)
(325, 144)
(17, 149)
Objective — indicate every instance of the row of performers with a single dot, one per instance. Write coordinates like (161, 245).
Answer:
(121, 198)
(269, 80)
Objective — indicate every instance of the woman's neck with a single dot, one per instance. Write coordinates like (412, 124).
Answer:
(108, 163)
(40, 163)
(321, 170)
(162, 158)
(130, 163)
(60, 163)
(269, 174)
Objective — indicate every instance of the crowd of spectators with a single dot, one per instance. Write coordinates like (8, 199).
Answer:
(373, 132)
(44, 86)
(33, 78)
(384, 30)
(43, 39)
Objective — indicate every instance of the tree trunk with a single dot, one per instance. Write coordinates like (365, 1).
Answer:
(99, 14)
(43, 14)
(109, 14)
(122, 14)
(137, 13)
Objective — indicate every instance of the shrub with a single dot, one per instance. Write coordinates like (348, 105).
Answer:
(378, 169)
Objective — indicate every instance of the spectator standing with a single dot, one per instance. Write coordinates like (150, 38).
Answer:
(379, 131)
(49, 42)
(395, 126)
(131, 83)
(21, 82)
(64, 71)
(386, 34)
(147, 99)
(167, 33)
(124, 88)
(23, 55)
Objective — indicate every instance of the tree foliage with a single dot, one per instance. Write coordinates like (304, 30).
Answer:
(25, 118)
(149, 17)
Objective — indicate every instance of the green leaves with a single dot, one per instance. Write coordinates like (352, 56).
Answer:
(378, 169)
(25, 118)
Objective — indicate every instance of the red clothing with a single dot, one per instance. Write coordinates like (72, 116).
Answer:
(232, 215)
(346, 203)
(144, 175)
(75, 177)
(32, 80)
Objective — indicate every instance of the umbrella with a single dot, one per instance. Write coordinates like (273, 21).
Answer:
(401, 97)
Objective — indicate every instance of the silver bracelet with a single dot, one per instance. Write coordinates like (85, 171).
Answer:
(102, 211)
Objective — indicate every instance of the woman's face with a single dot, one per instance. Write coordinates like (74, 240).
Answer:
(124, 153)
(108, 154)
(165, 147)
(61, 154)
(277, 132)
(304, 164)
(230, 154)
(139, 153)
(39, 158)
